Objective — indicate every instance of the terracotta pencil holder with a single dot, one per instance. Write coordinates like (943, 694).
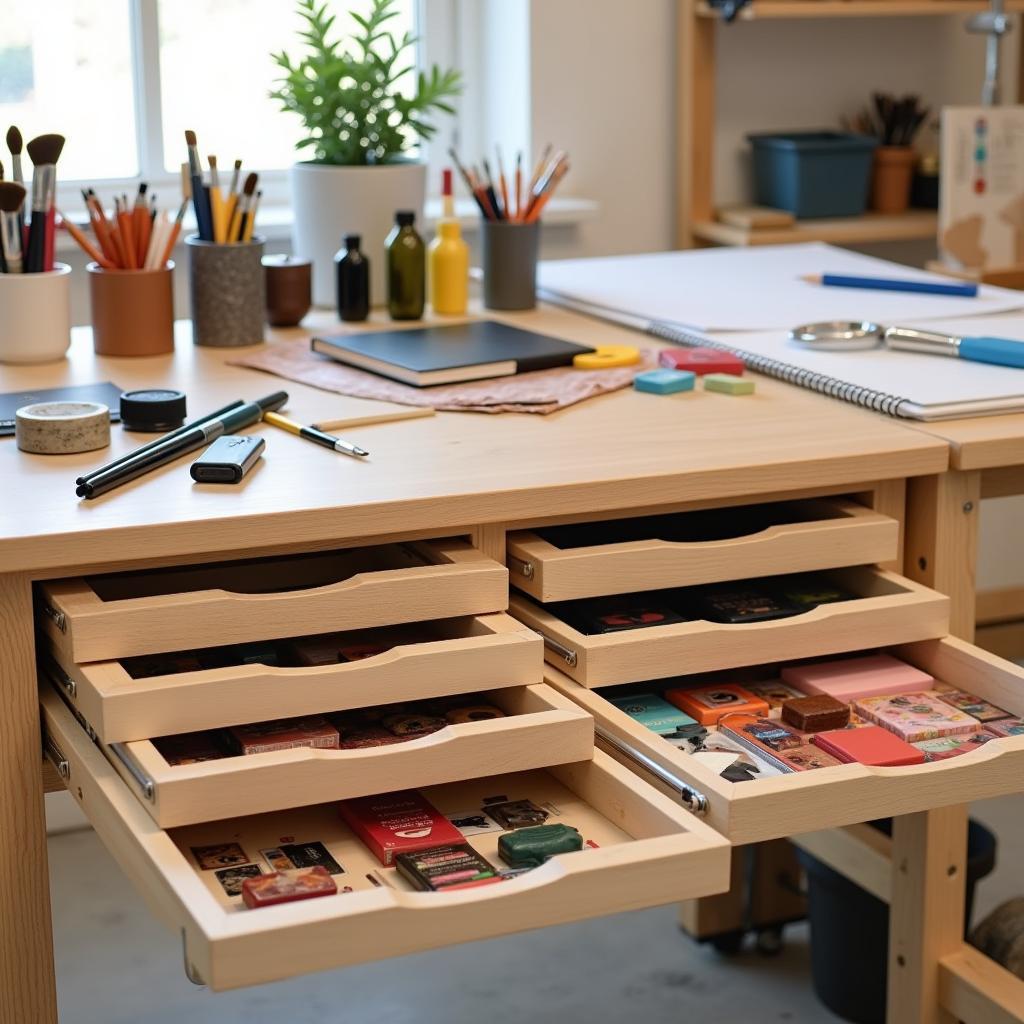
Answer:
(226, 286)
(35, 316)
(510, 264)
(289, 284)
(892, 174)
(132, 311)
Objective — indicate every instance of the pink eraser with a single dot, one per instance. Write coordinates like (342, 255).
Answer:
(847, 679)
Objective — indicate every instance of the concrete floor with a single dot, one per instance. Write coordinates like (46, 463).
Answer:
(117, 965)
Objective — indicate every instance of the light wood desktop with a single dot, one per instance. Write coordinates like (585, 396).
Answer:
(452, 475)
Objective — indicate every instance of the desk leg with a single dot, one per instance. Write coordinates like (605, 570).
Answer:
(942, 541)
(27, 980)
(927, 910)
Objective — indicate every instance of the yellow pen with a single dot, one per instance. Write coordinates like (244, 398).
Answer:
(217, 204)
(314, 435)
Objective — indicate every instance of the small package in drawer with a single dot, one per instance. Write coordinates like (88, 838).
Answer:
(444, 868)
(916, 716)
(287, 887)
(656, 714)
(395, 823)
(870, 745)
(783, 747)
(708, 703)
(816, 713)
(944, 747)
(847, 679)
(1007, 727)
(969, 704)
(285, 733)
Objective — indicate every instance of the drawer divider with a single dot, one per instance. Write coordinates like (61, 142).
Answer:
(693, 799)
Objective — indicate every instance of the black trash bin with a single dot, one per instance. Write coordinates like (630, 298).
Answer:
(850, 930)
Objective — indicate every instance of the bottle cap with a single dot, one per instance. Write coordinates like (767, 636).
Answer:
(352, 241)
(405, 218)
(153, 410)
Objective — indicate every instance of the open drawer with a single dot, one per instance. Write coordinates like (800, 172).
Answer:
(787, 805)
(541, 728)
(649, 851)
(888, 609)
(149, 611)
(561, 563)
(431, 659)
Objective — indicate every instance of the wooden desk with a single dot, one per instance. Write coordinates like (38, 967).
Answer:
(450, 474)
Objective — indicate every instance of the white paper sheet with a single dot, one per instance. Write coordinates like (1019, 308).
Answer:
(751, 289)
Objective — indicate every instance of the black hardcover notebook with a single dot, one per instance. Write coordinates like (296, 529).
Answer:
(105, 392)
(451, 353)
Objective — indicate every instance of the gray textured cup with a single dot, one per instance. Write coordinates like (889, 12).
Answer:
(226, 287)
(510, 264)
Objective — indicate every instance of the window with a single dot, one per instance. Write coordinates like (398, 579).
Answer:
(123, 79)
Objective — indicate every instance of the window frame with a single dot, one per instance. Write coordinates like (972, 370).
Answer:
(436, 24)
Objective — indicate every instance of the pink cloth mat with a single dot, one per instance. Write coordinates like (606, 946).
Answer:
(541, 391)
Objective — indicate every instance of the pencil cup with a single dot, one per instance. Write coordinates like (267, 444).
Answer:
(289, 289)
(132, 311)
(35, 316)
(225, 284)
(510, 264)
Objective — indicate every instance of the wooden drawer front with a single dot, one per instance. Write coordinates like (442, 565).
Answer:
(542, 728)
(470, 654)
(100, 617)
(804, 535)
(892, 610)
(650, 852)
(787, 805)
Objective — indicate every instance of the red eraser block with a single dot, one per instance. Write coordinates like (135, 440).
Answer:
(700, 361)
(869, 745)
(394, 823)
(287, 886)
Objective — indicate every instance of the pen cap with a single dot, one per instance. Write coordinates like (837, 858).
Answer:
(153, 409)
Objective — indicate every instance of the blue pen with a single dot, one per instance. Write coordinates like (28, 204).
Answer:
(999, 351)
(890, 284)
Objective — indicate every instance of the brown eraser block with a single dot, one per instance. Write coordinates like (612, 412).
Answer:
(816, 713)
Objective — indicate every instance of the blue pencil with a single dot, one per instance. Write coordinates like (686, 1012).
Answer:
(888, 284)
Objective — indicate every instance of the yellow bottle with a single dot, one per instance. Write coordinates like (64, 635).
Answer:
(448, 270)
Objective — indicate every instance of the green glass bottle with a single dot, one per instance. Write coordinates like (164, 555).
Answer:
(407, 261)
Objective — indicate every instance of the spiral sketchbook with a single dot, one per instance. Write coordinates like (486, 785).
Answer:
(744, 301)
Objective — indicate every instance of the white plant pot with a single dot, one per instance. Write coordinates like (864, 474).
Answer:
(330, 202)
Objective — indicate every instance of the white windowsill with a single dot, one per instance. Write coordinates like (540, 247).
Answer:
(275, 222)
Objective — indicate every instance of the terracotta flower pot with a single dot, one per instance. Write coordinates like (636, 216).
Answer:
(891, 175)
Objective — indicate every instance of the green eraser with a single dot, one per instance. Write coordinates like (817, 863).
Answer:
(728, 384)
(664, 382)
(531, 847)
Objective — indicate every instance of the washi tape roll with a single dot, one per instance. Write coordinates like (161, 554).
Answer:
(607, 357)
(62, 428)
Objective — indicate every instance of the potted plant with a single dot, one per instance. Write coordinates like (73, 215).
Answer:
(359, 125)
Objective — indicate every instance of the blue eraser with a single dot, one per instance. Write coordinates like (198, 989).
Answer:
(664, 382)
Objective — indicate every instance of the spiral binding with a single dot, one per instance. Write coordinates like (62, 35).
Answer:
(820, 382)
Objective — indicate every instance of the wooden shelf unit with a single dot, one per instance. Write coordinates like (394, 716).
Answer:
(697, 29)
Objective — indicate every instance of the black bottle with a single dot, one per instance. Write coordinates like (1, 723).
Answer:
(352, 274)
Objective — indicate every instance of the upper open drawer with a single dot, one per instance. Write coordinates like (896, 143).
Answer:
(886, 609)
(146, 612)
(647, 851)
(807, 801)
(561, 563)
(427, 659)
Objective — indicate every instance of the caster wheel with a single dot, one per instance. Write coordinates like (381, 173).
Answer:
(728, 943)
(769, 941)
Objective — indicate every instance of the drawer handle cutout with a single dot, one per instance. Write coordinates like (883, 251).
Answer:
(693, 800)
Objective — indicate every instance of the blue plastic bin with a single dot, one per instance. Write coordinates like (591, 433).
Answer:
(813, 174)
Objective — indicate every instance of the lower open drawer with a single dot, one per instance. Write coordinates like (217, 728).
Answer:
(433, 659)
(541, 728)
(649, 851)
(807, 801)
(887, 609)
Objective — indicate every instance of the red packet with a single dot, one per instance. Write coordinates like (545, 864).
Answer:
(701, 361)
(394, 823)
(285, 733)
(287, 886)
(870, 744)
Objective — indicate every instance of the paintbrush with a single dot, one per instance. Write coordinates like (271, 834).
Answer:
(44, 151)
(200, 200)
(12, 198)
(242, 211)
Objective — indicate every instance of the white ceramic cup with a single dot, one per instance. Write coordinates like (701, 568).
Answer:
(35, 316)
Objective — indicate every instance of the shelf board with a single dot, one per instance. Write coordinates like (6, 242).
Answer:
(758, 10)
(872, 227)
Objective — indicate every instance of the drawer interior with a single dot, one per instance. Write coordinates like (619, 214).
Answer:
(697, 527)
(263, 575)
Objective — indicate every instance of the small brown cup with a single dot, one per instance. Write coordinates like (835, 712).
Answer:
(289, 289)
(132, 311)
